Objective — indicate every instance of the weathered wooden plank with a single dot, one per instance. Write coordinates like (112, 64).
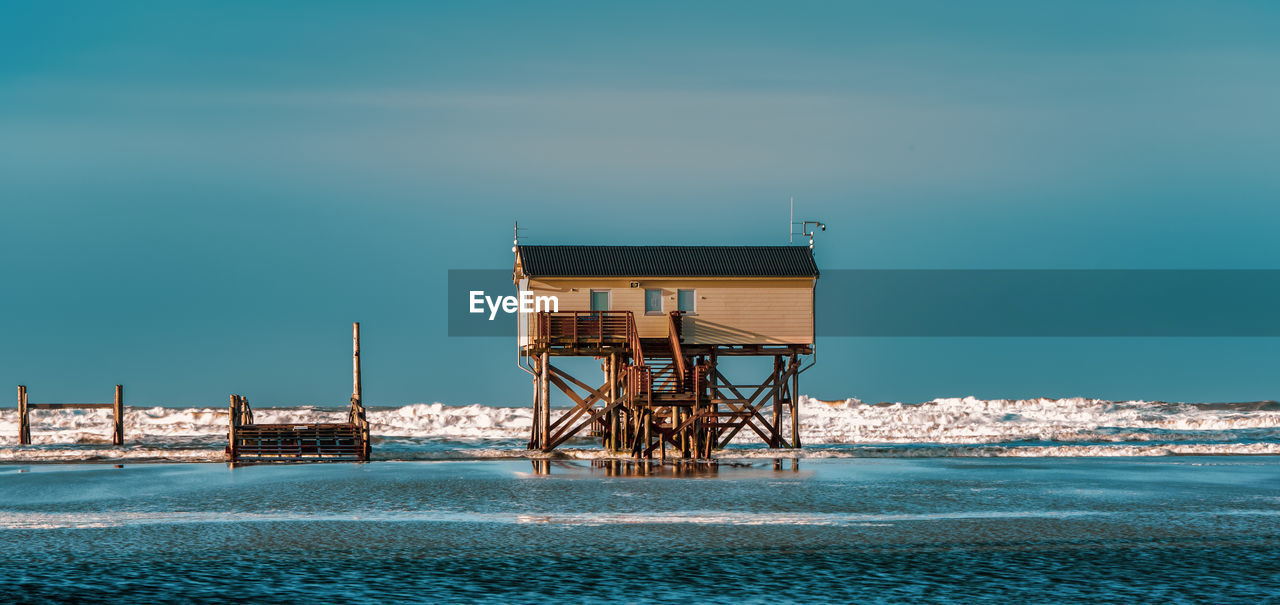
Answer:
(68, 406)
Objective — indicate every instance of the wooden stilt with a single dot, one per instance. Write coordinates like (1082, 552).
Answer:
(648, 420)
(714, 437)
(613, 399)
(776, 396)
(544, 378)
(795, 401)
(535, 426)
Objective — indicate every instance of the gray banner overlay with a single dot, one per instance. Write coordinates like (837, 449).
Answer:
(494, 282)
(871, 302)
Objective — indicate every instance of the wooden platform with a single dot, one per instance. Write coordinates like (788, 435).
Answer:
(299, 443)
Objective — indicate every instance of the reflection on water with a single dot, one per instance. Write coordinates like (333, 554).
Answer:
(650, 468)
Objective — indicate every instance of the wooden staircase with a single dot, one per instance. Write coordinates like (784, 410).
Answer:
(667, 392)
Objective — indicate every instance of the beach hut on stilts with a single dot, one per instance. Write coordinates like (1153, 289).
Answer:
(250, 442)
(667, 323)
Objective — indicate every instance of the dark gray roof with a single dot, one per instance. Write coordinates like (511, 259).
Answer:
(668, 261)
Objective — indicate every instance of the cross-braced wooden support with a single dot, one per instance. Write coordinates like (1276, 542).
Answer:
(590, 407)
(673, 397)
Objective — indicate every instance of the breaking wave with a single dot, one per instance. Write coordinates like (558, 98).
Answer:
(845, 428)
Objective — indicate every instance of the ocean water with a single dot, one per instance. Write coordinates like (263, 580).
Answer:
(953, 500)
(837, 429)
(1177, 529)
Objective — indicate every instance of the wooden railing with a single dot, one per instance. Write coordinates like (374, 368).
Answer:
(699, 378)
(673, 334)
(589, 328)
(639, 382)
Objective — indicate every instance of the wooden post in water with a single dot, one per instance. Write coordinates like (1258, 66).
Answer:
(795, 401)
(544, 389)
(117, 430)
(613, 398)
(714, 436)
(24, 426)
(234, 409)
(356, 395)
(537, 412)
(648, 420)
(776, 437)
(358, 416)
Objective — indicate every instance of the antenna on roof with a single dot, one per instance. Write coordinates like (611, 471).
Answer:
(515, 240)
(805, 230)
(804, 227)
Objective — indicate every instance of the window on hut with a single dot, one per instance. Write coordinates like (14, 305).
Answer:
(653, 302)
(599, 300)
(686, 301)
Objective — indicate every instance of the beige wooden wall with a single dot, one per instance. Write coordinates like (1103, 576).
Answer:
(729, 310)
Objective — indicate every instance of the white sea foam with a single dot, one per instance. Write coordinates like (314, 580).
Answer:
(90, 520)
(942, 427)
(969, 420)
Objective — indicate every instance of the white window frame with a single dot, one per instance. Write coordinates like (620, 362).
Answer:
(661, 303)
(694, 291)
(591, 296)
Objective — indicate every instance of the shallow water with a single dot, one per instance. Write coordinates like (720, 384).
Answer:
(850, 428)
(1173, 529)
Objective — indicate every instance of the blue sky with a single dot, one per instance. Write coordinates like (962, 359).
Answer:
(199, 197)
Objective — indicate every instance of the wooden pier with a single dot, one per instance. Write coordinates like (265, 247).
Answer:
(25, 407)
(348, 441)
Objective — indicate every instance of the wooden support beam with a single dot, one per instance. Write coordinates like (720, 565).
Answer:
(565, 435)
(581, 407)
(794, 369)
(754, 408)
(775, 394)
(751, 407)
(70, 406)
(544, 378)
(537, 409)
(612, 439)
